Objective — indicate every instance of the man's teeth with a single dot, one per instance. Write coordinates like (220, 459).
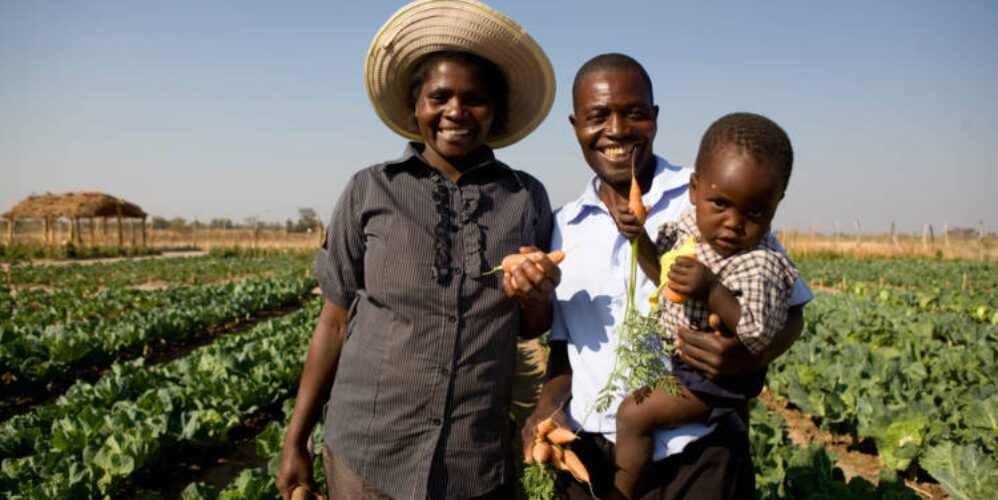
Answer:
(617, 152)
(454, 132)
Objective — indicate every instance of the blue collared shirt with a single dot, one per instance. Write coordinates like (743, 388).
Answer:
(592, 295)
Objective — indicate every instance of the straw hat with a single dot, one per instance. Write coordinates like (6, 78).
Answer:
(426, 26)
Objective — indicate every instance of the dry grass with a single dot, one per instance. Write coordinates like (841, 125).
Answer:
(204, 238)
(797, 243)
(800, 244)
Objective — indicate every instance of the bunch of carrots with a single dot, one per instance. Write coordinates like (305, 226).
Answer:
(549, 446)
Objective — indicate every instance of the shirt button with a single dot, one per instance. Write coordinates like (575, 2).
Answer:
(437, 421)
(451, 319)
(443, 371)
(457, 270)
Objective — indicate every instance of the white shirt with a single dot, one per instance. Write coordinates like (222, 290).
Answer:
(590, 300)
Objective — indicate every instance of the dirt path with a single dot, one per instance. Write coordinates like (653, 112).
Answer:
(802, 431)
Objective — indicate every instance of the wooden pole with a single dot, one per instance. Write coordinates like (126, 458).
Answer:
(103, 226)
(894, 239)
(143, 230)
(925, 238)
(121, 234)
(93, 231)
(946, 235)
(980, 240)
(857, 231)
(837, 232)
(194, 233)
(10, 231)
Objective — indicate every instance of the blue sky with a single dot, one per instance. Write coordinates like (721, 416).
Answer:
(257, 108)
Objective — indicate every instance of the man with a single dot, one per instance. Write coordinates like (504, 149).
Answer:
(614, 118)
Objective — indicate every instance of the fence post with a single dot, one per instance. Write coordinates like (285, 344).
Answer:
(980, 240)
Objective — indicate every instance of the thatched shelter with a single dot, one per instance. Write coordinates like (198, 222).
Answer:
(75, 206)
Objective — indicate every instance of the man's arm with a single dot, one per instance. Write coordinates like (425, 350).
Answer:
(554, 394)
(716, 355)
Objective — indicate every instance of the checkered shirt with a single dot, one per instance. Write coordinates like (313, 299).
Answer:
(761, 277)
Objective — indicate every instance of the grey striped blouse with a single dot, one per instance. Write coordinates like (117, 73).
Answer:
(420, 404)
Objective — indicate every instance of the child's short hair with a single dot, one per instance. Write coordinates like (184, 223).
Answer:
(754, 134)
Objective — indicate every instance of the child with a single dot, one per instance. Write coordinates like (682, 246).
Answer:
(739, 274)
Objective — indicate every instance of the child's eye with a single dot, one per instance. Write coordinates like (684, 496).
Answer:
(719, 204)
(756, 213)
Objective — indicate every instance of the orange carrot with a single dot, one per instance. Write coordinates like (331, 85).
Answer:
(634, 200)
(558, 457)
(543, 427)
(528, 454)
(575, 466)
(517, 258)
(674, 296)
(560, 435)
(542, 452)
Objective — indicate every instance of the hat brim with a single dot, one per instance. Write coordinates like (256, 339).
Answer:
(426, 26)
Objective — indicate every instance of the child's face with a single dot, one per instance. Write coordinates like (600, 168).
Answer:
(735, 198)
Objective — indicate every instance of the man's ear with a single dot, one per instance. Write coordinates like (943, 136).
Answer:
(571, 119)
(693, 188)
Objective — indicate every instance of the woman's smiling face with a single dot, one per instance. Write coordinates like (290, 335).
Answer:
(453, 111)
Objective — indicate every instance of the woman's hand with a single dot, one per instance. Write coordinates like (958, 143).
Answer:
(296, 470)
(531, 283)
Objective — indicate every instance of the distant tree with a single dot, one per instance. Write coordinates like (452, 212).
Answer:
(221, 223)
(160, 222)
(306, 221)
(178, 224)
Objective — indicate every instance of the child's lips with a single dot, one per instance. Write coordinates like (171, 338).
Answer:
(727, 243)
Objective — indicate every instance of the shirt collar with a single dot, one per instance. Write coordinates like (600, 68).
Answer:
(662, 182)
(412, 158)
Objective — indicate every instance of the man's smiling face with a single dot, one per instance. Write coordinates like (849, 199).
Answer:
(615, 122)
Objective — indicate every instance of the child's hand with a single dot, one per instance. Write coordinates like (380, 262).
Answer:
(627, 222)
(691, 278)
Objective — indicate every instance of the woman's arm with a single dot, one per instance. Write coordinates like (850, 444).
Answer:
(316, 381)
(717, 355)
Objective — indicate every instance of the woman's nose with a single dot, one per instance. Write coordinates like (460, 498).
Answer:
(454, 108)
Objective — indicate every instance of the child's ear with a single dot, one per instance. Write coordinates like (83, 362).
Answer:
(693, 188)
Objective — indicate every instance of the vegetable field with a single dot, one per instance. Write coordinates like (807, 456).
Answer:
(174, 378)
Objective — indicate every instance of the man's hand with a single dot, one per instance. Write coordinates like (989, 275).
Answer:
(627, 223)
(691, 278)
(716, 354)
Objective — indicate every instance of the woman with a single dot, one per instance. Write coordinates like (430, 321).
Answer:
(415, 346)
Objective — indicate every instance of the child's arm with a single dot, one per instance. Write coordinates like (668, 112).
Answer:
(693, 279)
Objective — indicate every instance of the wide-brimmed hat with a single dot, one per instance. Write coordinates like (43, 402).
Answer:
(427, 26)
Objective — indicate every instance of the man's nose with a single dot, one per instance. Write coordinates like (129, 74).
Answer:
(617, 125)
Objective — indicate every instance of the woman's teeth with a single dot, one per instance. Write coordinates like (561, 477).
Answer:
(450, 133)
